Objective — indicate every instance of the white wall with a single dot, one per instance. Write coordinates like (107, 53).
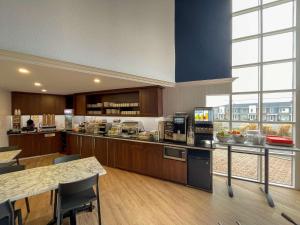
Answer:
(5, 111)
(297, 164)
(184, 98)
(130, 36)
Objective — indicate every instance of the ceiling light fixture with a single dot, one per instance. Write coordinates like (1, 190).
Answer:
(23, 70)
(96, 80)
(37, 84)
(44, 90)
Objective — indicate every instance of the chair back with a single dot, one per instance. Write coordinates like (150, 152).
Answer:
(7, 213)
(66, 158)
(66, 189)
(9, 148)
(10, 169)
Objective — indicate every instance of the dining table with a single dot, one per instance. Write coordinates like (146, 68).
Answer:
(8, 156)
(30, 182)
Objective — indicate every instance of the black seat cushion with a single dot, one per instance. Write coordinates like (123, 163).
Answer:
(77, 200)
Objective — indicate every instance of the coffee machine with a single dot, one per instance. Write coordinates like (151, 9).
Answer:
(203, 125)
(180, 121)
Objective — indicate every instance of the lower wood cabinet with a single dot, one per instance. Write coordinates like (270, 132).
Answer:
(86, 146)
(143, 158)
(100, 150)
(36, 144)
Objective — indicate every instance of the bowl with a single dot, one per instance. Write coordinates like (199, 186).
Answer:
(223, 139)
(239, 138)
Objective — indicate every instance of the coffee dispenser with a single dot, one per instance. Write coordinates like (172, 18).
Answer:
(180, 121)
(203, 125)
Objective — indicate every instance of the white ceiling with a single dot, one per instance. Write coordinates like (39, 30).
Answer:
(56, 80)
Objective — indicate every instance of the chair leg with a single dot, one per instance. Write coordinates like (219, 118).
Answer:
(73, 218)
(27, 205)
(18, 214)
(98, 209)
(51, 197)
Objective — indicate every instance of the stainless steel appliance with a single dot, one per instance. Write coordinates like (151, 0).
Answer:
(168, 130)
(104, 127)
(131, 128)
(68, 119)
(203, 125)
(180, 121)
(175, 153)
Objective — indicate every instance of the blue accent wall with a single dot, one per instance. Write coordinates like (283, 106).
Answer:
(202, 39)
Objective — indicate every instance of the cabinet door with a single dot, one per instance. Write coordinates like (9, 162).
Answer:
(154, 160)
(175, 171)
(80, 104)
(73, 144)
(124, 155)
(60, 105)
(100, 150)
(86, 146)
(112, 147)
(48, 104)
(139, 158)
(151, 101)
(25, 143)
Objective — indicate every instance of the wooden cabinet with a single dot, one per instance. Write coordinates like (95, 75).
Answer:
(86, 146)
(112, 148)
(73, 144)
(100, 150)
(151, 101)
(37, 104)
(174, 170)
(154, 160)
(36, 144)
(79, 104)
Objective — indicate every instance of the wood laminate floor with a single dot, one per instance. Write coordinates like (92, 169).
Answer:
(129, 198)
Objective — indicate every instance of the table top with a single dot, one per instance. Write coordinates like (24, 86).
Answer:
(26, 183)
(8, 156)
(264, 146)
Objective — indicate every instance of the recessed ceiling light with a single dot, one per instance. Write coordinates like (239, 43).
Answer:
(37, 84)
(44, 90)
(96, 80)
(23, 70)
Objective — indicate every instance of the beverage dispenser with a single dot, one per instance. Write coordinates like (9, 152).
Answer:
(203, 125)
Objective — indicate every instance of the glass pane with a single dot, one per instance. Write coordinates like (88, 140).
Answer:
(280, 170)
(220, 161)
(221, 106)
(244, 127)
(284, 130)
(245, 107)
(220, 126)
(238, 5)
(278, 47)
(247, 79)
(245, 52)
(268, 1)
(245, 25)
(278, 76)
(278, 107)
(245, 166)
(278, 17)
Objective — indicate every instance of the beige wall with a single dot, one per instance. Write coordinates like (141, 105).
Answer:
(185, 97)
(130, 36)
(5, 107)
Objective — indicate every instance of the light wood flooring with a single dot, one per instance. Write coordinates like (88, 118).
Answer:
(129, 198)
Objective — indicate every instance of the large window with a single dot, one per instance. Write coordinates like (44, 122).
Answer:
(263, 95)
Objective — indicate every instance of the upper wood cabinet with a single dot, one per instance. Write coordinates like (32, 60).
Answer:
(151, 101)
(79, 103)
(145, 101)
(37, 104)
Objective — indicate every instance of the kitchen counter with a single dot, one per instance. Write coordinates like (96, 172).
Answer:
(39, 132)
(206, 147)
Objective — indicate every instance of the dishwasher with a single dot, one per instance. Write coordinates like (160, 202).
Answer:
(200, 170)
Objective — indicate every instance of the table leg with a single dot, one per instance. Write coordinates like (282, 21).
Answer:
(230, 191)
(266, 189)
